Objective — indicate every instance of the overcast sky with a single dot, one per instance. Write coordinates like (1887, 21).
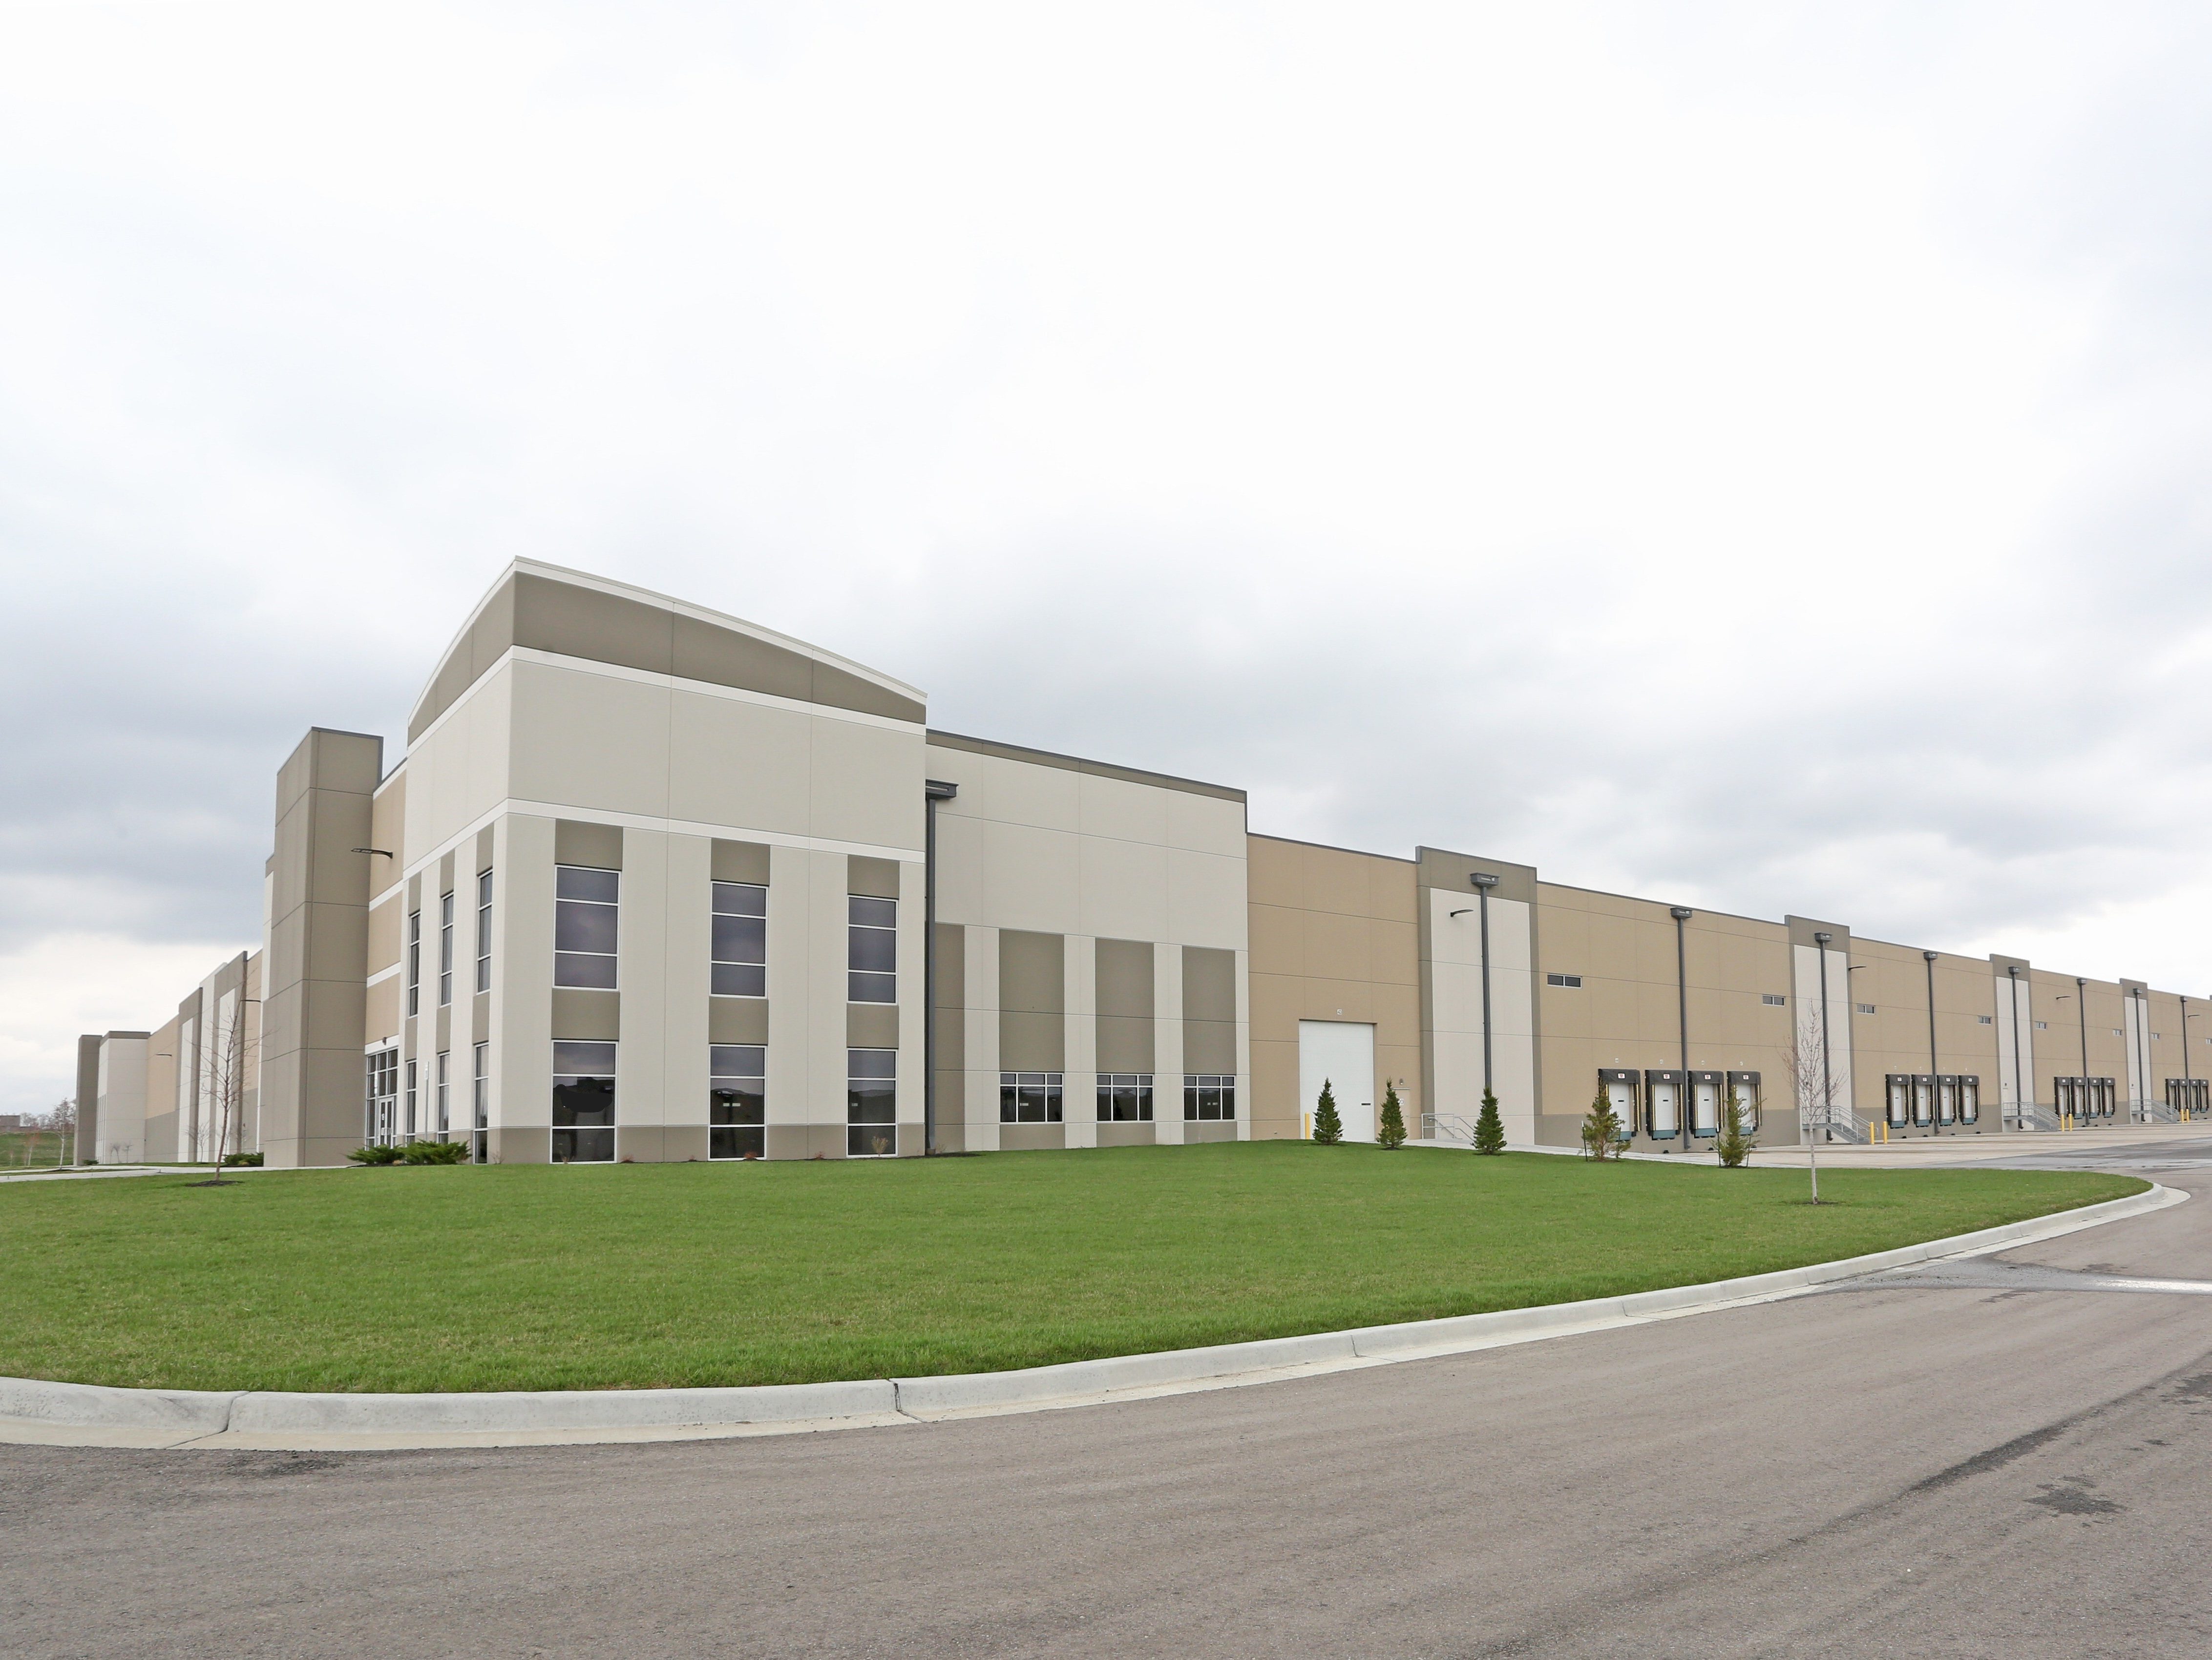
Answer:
(1748, 456)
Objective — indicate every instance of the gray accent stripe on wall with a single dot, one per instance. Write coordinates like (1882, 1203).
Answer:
(599, 845)
(740, 861)
(878, 878)
(1209, 1010)
(542, 613)
(1124, 1002)
(1032, 1001)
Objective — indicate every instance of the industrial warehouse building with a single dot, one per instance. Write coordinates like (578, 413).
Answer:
(653, 883)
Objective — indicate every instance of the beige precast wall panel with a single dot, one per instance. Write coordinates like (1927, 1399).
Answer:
(87, 1097)
(1334, 937)
(314, 1011)
(162, 1095)
(1896, 1038)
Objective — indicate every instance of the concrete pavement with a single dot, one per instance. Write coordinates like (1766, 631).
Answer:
(1909, 1469)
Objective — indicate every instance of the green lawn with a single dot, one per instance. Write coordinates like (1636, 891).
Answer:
(651, 1275)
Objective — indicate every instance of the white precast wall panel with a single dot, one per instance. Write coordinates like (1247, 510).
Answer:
(1456, 969)
(2016, 1038)
(1341, 1053)
(1079, 998)
(980, 1027)
(1805, 961)
(2136, 1031)
(1046, 848)
(122, 1104)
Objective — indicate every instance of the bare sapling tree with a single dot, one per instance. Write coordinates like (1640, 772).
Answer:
(62, 1121)
(224, 1069)
(1812, 1076)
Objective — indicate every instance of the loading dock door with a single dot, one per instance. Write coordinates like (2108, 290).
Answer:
(1342, 1053)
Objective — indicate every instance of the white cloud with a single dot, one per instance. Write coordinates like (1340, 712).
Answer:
(63, 984)
(1743, 454)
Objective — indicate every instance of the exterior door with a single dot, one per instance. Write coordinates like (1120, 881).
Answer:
(1341, 1053)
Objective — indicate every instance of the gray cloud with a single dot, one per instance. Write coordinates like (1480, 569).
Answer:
(1743, 456)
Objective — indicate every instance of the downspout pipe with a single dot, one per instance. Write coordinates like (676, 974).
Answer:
(1682, 914)
(933, 791)
(2019, 1102)
(1484, 881)
(1828, 1067)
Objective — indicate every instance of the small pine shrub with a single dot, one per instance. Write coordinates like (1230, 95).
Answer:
(1392, 1132)
(1601, 1130)
(1734, 1146)
(435, 1153)
(373, 1155)
(241, 1159)
(1489, 1128)
(1327, 1128)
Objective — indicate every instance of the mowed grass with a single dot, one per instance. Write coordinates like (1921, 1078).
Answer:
(656, 1275)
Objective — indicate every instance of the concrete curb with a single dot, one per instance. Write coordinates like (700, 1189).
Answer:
(36, 1410)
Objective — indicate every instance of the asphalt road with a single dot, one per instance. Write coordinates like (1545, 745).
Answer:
(1923, 1468)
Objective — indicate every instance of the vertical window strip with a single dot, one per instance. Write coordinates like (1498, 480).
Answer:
(586, 918)
(483, 931)
(737, 1101)
(445, 1090)
(414, 962)
(872, 949)
(583, 1102)
(738, 963)
(870, 1104)
(444, 950)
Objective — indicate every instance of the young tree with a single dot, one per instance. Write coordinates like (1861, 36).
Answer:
(1734, 1145)
(1489, 1128)
(1327, 1127)
(1392, 1134)
(1818, 1092)
(1602, 1128)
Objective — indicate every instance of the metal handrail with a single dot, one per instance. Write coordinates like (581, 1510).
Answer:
(1446, 1127)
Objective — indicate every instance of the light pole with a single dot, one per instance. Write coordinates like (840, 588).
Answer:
(2082, 1009)
(1935, 1115)
(2019, 1104)
(2185, 1091)
(1827, 1071)
(1484, 881)
(1681, 913)
(2139, 1060)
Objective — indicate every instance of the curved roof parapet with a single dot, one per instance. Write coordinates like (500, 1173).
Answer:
(572, 614)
